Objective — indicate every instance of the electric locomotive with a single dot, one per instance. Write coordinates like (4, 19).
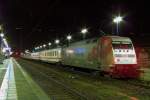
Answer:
(113, 55)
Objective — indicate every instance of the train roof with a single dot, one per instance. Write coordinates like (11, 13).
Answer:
(53, 49)
(120, 38)
(86, 41)
(94, 40)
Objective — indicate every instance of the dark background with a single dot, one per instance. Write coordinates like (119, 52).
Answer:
(30, 23)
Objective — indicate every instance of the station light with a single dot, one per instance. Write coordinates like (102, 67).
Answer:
(3, 50)
(117, 19)
(49, 44)
(40, 46)
(57, 41)
(84, 31)
(44, 45)
(2, 35)
(4, 39)
(69, 37)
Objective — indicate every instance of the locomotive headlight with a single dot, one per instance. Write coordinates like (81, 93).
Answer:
(117, 60)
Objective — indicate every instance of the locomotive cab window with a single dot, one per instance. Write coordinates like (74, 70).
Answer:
(122, 45)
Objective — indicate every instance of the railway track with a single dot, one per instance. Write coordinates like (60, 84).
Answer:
(135, 82)
(96, 77)
(66, 92)
(63, 80)
(64, 86)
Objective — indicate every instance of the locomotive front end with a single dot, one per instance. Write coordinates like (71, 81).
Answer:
(125, 62)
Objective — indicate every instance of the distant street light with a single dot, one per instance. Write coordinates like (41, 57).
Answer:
(69, 37)
(44, 45)
(84, 31)
(2, 35)
(117, 20)
(40, 47)
(49, 44)
(4, 39)
(57, 41)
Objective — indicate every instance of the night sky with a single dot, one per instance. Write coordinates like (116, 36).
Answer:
(30, 23)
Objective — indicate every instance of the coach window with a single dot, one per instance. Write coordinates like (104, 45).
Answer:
(54, 53)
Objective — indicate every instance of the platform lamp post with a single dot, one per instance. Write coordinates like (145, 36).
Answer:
(69, 37)
(49, 44)
(40, 47)
(57, 42)
(84, 31)
(1, 37)
(44, 46)
(117, 20)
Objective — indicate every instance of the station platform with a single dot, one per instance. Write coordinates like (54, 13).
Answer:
(16, 84)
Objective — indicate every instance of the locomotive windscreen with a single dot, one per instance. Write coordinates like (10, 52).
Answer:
(122, 45)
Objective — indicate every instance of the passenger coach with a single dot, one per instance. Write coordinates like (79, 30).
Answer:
(51, 55)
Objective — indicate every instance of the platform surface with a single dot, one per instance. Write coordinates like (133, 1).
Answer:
(16, 84)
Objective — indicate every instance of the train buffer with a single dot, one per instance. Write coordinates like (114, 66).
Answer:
(16, 84)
